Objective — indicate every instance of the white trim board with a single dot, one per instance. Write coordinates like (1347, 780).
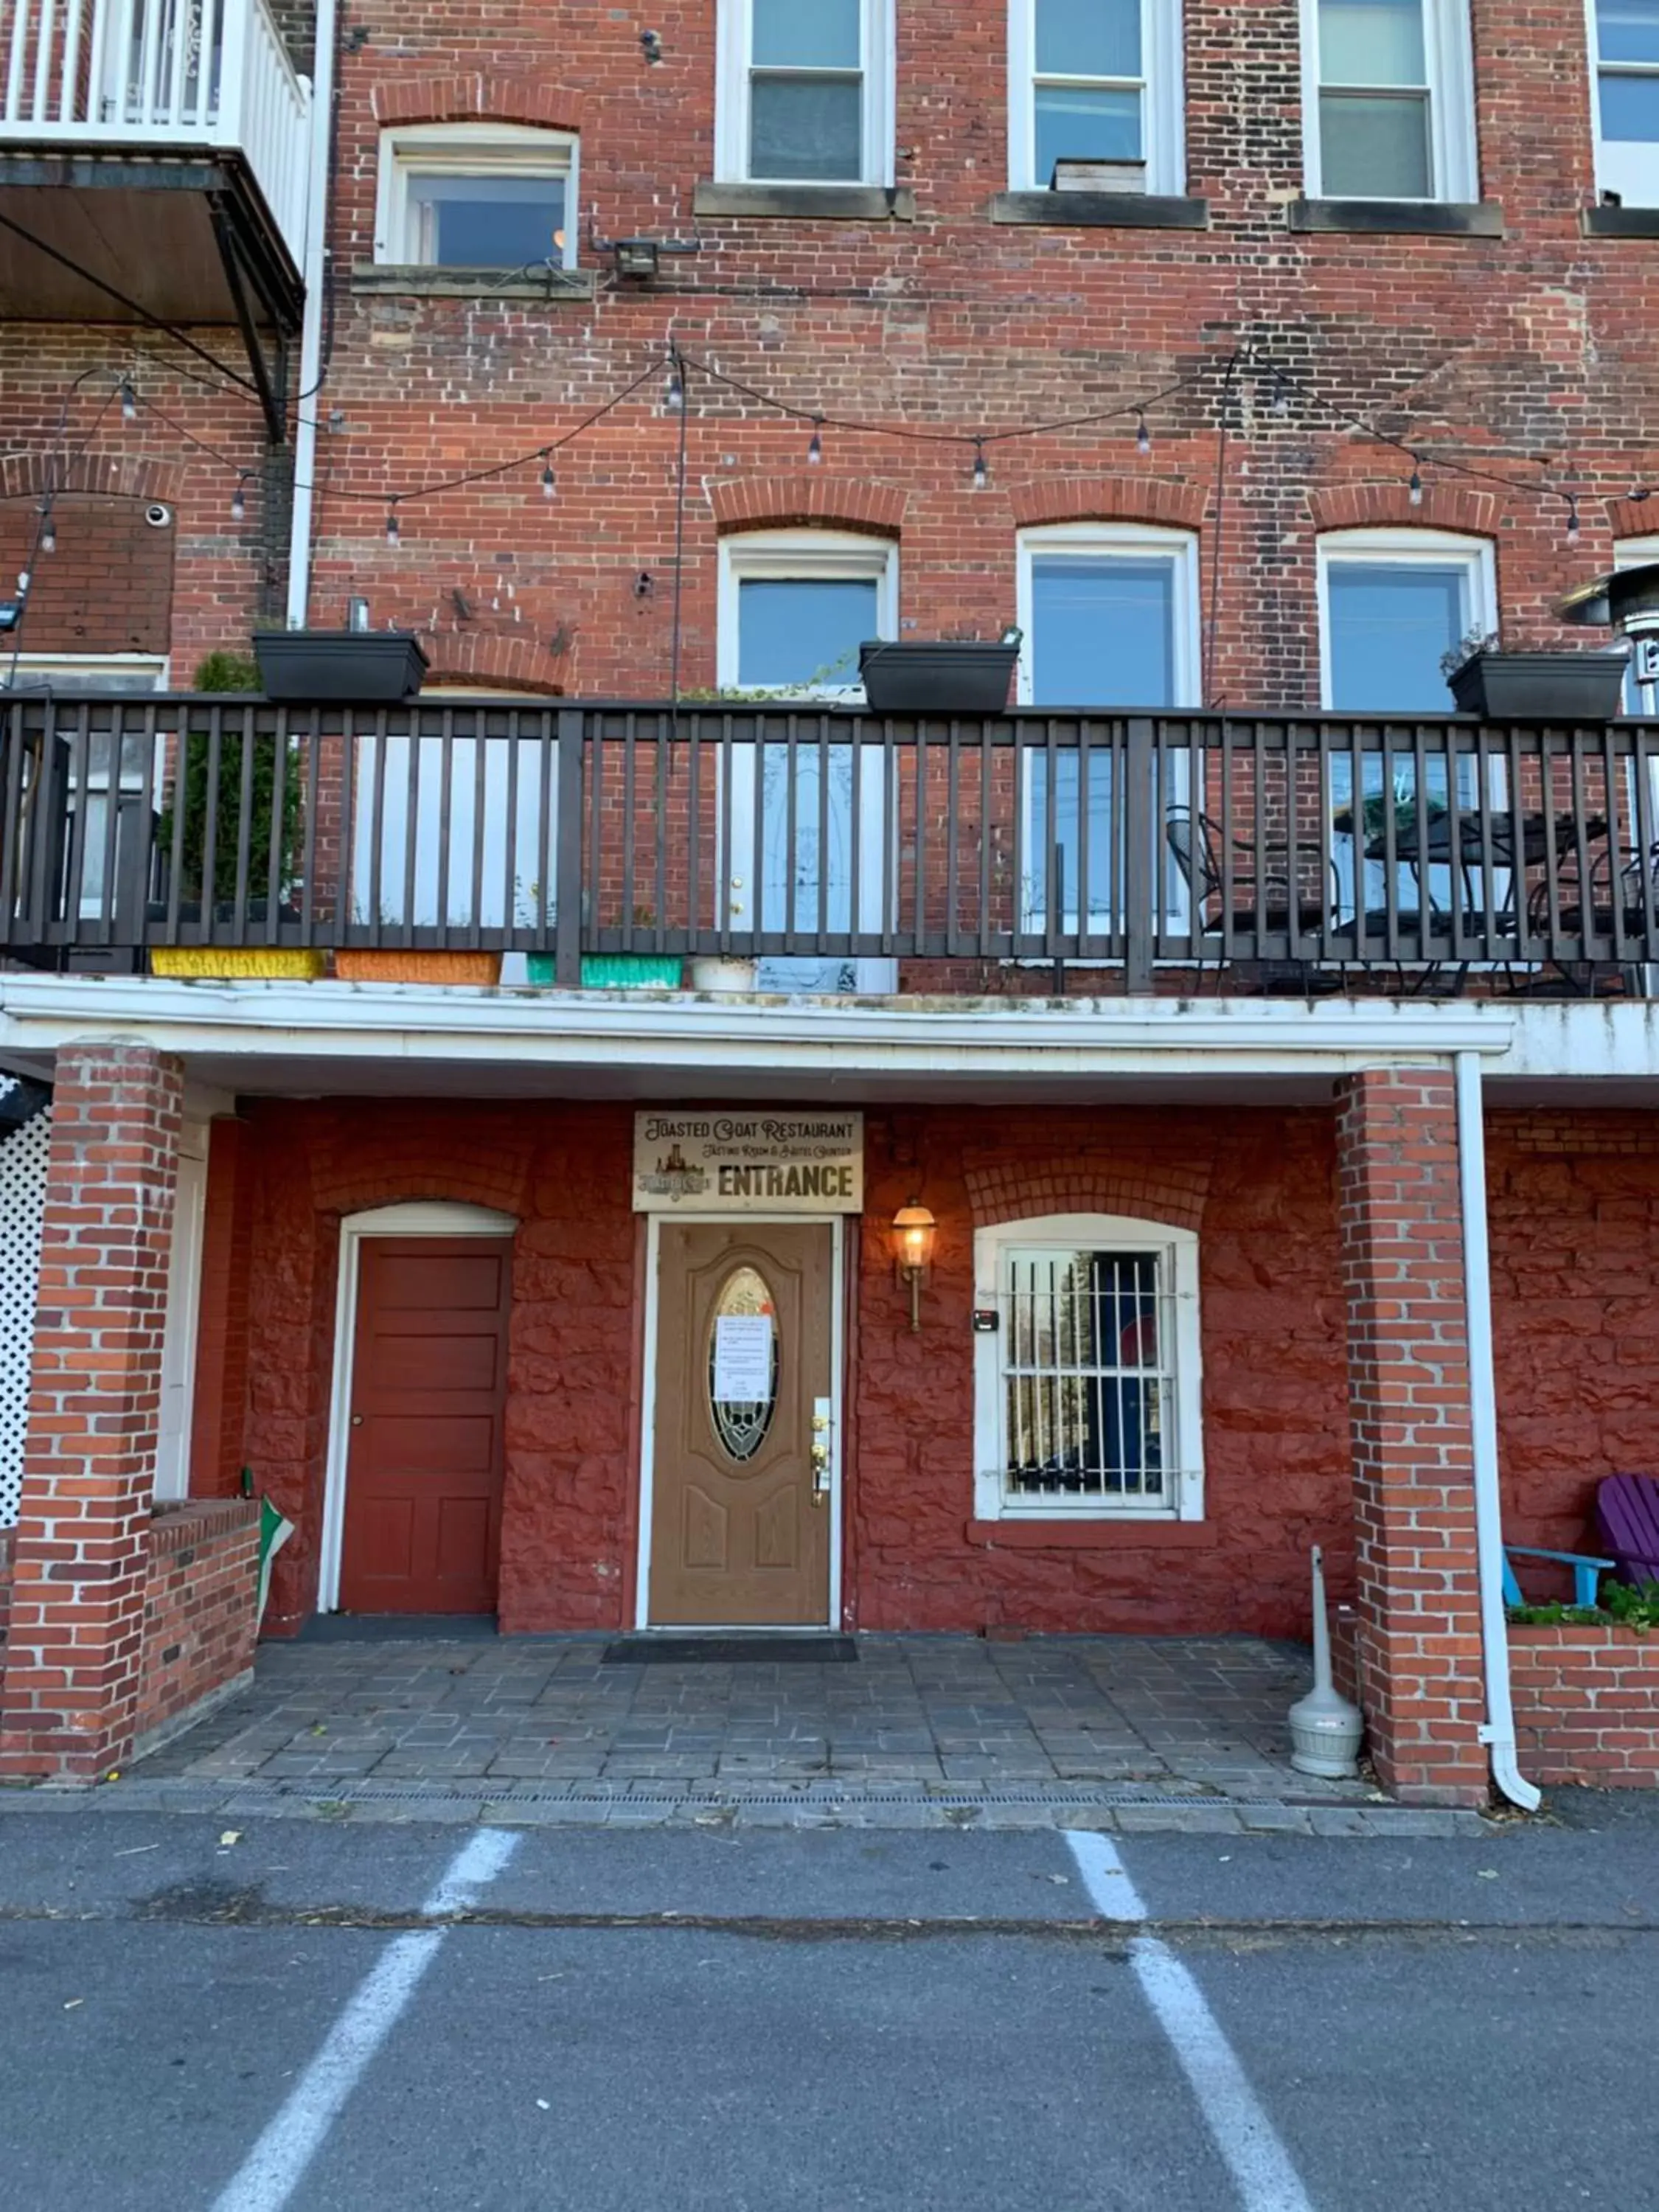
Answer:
(180, 1334)
(420, 1219)
(836, 1224)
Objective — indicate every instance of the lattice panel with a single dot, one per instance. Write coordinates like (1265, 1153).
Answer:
(23, 1208)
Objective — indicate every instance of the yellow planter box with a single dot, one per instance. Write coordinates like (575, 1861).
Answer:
(366, 967)
(228, 963)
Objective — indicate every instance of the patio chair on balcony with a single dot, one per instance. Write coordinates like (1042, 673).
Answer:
(1256, 902)
(1613, 899)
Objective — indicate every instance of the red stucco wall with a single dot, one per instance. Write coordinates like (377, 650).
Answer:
(1257, 1185)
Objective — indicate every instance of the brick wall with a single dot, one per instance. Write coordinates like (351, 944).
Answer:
(1586, 1705)
(108, 587)
(1497, 349)
(199, 1605)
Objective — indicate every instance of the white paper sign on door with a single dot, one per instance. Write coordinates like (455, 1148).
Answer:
(742, 1359)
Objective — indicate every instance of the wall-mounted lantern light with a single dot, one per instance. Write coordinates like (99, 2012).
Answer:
(914, 1228)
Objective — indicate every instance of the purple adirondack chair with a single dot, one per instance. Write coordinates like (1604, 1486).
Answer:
(1627, 1513)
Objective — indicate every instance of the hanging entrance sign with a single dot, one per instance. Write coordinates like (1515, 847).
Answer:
(749, 1163)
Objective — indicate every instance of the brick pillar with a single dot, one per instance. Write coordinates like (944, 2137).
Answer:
(1421, 1680)
(72, 1659)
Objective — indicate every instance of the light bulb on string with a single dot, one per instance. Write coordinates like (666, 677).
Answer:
(238, 499)
(48, 537)
(674, 397)
(1143, 435)
(548, 484)
(815, 444)
(393, 531)
(129, 401)
(981, 466)
(1573, 522)
(1414, 488)
(1280, 403)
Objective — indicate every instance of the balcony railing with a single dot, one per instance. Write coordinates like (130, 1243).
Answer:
(160, 74)
(1153, 845)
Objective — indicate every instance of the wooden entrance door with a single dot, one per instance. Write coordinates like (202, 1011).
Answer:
(740, 1516)
(428, 1386)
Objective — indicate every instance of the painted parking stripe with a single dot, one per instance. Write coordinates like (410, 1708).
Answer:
(1261, 2168)
(273, 2167)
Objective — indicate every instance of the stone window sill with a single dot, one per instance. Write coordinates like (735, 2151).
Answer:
(1621, 221)
(807, 203)
(1100, 210)
(1124, 1536)
(1400, 218)
(413, 281)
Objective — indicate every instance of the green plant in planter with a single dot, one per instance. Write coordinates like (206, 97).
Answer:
(1403, 800)
(1624, 1605)
(272, 770)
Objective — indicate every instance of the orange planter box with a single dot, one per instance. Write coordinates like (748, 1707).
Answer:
(361, 967)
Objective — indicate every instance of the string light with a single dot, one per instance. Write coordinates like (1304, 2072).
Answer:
(548, 482)
(1280, 403)
(981, 466)
(815, 444)
(1414, 488)
(393, 532)
(238, 498)
(47, 540)
(1143, 435)
(1573, 522)
(674, 397)
(129, 401)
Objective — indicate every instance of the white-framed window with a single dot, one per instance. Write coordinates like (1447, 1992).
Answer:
(137, 777)
(795, 605)
(1088, 1393)
(1095, 81)
(1636, 553)
(1108, 614)
(805, 94)
(477, 196)
(1624, 47)
(1392, 602)
(1389, 100)
(83, 672)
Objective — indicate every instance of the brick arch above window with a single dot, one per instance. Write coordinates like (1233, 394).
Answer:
(522, 664)
(830, 502)
(1107, 499)
(1171, 1193)
(496, 1176)
(1631, 518)
(477, 96)
(115, 476)
(1387, 506)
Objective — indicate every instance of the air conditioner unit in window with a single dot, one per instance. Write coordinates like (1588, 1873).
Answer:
(1098, 177)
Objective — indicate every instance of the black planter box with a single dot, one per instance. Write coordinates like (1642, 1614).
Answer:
(364, 665)
(1557, 687)
(936, 678)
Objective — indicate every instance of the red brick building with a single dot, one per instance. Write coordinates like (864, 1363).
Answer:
(1245, 361)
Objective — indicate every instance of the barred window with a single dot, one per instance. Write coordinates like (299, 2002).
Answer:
(1088, 1382)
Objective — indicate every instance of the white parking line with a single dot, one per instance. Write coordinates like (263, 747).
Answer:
(273, 2168)
(1261, 2166)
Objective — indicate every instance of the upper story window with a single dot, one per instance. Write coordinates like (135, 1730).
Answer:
(796, 606)
(1626, 101)
(477, 196)
(1392, 602)
(1388, 100)
(1087, 1395)
(1096, 81)
(805, 92)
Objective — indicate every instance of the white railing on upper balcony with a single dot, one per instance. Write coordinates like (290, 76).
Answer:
(160, 74)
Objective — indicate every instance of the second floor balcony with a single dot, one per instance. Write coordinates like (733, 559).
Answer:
(153, 155)
(833, 850)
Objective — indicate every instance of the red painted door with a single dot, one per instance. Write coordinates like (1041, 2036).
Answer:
(429, 1386)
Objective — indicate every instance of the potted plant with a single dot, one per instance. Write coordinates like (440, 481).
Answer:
(938, 675)
(364, 666)
(1504, 685)
(275, 791)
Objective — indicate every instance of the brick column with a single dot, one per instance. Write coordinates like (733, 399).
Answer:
(72, 1659)
(1421, 1675)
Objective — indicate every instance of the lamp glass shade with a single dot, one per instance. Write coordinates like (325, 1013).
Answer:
(913, 1236)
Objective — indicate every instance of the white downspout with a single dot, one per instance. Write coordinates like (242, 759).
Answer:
(1498, 1733)
(310, 326)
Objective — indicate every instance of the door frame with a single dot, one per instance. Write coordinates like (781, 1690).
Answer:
(181, 1331)
(836, 1223)
(425, 1217)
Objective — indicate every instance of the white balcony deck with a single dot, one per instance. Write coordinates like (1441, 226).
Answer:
(159, 77)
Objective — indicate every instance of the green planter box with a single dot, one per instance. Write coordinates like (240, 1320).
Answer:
(616, 971)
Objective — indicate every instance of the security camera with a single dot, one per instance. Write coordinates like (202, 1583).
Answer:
(158, 516)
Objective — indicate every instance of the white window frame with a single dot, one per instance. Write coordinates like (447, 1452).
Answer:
(1163, 96)
(880, 67)
(1404, 548)
(1176, 1250)
(467, 150)
(1449, 59)
(805, 556)
(1636, 553)
(1628, 167)
(38, 671)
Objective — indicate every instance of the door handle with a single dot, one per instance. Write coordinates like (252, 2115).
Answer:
(820, 1452)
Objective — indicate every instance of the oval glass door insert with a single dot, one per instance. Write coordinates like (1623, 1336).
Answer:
(743, 1363)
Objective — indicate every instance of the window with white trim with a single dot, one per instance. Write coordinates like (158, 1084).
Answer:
(1108, 614)
(805, 92)
(796, 606)
(1388, 99)
(1636, 553)
(1624, 36)
(477, 196)
(1088, 1393)
(1095, 81)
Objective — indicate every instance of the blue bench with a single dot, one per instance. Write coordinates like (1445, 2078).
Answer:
(1585, 1571)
